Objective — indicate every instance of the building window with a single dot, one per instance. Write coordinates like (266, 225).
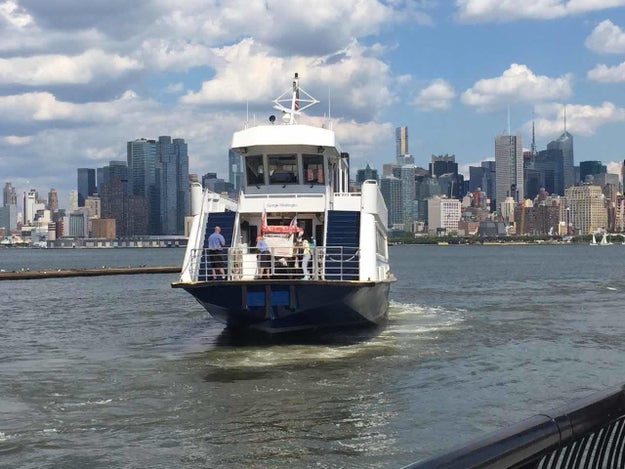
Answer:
(254, 170)
(283, 169)
(313, 169)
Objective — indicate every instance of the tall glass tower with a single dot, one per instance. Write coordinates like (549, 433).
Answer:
(86, 184)
(565, 143)
(401, 142)
(509, 168)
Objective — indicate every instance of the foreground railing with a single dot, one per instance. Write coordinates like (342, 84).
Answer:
(588, 433)
(325, 263)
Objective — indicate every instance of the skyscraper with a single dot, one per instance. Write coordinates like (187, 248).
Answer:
(53, 200)
(30, 200)
(366, 173)
(591, 168)
(390, 187)
(9, 194)
(86, 184)
(401, 141)
(565, 143)
(173, 175)
(509, 168)
(159, 172)
(141, 156)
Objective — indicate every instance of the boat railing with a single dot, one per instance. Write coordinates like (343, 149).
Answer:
(281, 263)
(588, 433)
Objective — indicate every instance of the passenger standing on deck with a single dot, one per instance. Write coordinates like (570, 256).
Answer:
(216, 242)
(306, 257)
(264, 257)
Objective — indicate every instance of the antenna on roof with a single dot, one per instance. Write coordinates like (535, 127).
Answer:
(565, 118)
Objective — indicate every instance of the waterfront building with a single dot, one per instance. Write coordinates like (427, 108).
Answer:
(509, 168)
(525, 219)
(86, 184)
(390, 187)
(586, 204)
(114, 191)
(443, 215)
(103, 228)
(8, 217)
(9, 195)
(79, 223)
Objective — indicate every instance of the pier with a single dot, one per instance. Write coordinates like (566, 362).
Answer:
(94, 272)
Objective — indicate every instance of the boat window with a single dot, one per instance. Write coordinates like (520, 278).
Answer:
(254, 169)
(313, 169)
(283, 169)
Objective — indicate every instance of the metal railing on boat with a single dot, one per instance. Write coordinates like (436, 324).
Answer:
(241, 263)
(587, 433)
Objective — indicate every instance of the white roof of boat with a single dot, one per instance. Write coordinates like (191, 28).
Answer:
(284, 134)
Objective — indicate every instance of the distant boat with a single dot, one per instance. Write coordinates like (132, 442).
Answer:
(594, 241)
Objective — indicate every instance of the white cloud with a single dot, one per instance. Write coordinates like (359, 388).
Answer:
(606, 38)
(61, 69)
(13, 15)
(517, 84)
(436, 96)
(580, 119)
(29, 108)
(511, 10)
(16, 140)
(615, 167)
(359, 82)
(296, 27)
(174, 54)
(606, 74)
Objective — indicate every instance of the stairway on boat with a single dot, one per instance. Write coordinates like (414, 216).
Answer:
(342, 242)
(224, 220)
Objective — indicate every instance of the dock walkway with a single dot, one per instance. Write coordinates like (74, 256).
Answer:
(62, 273)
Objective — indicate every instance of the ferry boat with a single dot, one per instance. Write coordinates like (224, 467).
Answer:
(326, 260)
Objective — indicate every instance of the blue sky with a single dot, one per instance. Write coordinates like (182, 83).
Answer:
(79, 79)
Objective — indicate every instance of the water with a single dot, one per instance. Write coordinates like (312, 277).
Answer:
(124, 371)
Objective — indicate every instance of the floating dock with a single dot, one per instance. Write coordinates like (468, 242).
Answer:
(95, 272)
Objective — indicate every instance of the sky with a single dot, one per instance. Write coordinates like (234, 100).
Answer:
(79, 79)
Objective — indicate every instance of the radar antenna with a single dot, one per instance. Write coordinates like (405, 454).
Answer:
(297, 101)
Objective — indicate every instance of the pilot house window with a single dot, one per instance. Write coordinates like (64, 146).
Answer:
(283, 169)
(313, 169)
(254, 170)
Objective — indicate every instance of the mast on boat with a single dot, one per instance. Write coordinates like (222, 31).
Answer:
(293, 101)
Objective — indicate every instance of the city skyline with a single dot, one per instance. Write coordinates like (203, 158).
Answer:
(106, 75)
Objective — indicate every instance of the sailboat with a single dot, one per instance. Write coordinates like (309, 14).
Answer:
(594, 241)
(604, 240)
